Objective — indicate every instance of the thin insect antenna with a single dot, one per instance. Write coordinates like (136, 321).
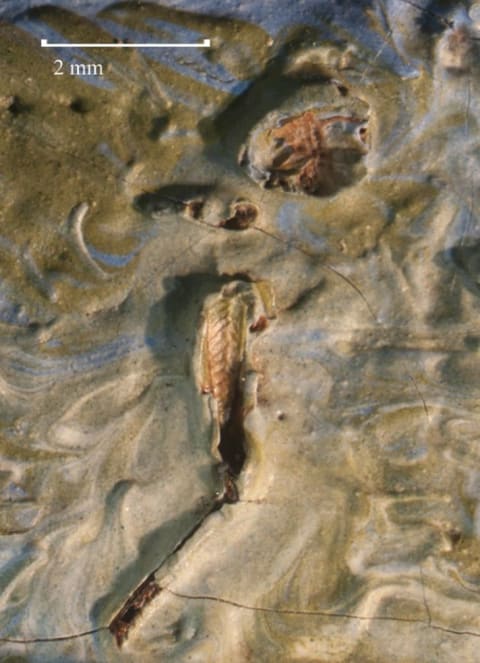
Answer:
(329, 267)
(357, 290)
(425, 406)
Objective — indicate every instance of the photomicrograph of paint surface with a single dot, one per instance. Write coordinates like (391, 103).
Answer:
(240, 332)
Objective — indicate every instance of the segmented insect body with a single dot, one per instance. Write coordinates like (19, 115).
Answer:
(223, 346)
(307, 153)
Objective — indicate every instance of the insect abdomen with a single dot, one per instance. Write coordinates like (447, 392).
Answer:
(223, 349)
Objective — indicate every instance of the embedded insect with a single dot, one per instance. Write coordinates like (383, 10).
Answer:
(307, 153)
(223, 345)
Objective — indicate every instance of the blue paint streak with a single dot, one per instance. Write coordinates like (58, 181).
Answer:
(68, 55)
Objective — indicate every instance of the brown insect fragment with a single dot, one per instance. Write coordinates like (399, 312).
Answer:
(259, 325)
(126, 617)
(308, 153)
(223, 348)
(193, 208)
(244, 214)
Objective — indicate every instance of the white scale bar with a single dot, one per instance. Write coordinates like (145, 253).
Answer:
(204, 44)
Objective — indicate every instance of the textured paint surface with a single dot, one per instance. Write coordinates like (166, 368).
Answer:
(322, 501)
